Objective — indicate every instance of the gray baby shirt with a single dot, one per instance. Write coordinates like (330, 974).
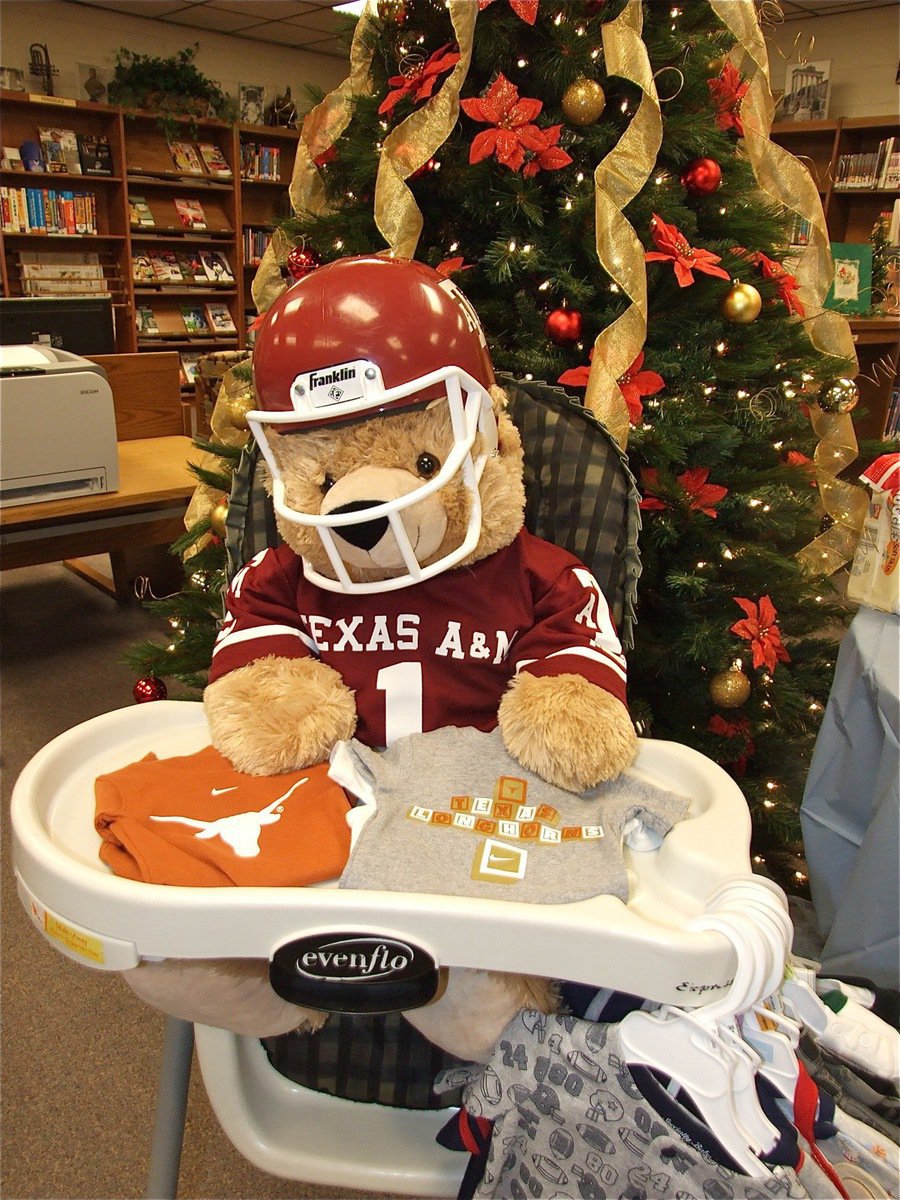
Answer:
(456, 815)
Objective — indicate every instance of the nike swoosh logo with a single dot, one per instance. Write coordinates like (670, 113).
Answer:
(222, 791)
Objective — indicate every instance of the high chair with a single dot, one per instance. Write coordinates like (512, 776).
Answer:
(580, 494)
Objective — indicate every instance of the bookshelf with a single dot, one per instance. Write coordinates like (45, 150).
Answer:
(850, 215)
(137, 211)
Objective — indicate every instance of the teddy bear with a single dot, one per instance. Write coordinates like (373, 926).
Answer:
(406, 596)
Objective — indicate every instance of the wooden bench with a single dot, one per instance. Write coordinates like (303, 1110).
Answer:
(136, 524)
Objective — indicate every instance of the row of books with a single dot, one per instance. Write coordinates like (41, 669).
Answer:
(190, 213)
(876, 169)
(47, 210)
(62, 152)
(260, 162)
(210, 320)
(800, 231)
(204, 158)
(255, 242)
(60, 273)
(892, 422)
(177, 266)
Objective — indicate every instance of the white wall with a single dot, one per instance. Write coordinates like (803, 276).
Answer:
(864, 49)
(75, 33)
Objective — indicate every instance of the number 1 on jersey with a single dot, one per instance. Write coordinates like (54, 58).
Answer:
(402, 687)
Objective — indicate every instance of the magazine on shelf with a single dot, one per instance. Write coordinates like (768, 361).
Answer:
(95, 154)
(191, 265)
(189, 361)
(217, 266)
(185, 158)
(214, 160)
(190, 213)
(145, 320)
(851, 288)
(139, 211)
(219, 317)
(165, 267)
(194, 320)
(142, 269)
(52, 151)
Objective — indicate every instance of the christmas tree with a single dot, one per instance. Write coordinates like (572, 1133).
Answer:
(597, 177)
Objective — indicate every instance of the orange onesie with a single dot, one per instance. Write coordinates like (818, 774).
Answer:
(195, 821)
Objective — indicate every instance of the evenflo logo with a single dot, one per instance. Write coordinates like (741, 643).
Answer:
(350, 958)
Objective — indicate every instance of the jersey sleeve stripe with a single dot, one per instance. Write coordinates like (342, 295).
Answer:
(261, 631)
(613, 662)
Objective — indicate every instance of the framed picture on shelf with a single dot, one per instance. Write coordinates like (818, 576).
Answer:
(807, 92)
(252, 103)
(851, 288)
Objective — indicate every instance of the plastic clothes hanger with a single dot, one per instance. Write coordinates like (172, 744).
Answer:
(696, 1051)
(776, 1047)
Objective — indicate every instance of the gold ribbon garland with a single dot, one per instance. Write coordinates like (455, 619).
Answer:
(617, 180)
(322, 126)
(410, 145)
(788, 182)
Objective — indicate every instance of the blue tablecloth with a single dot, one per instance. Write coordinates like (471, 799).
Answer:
(849, 815)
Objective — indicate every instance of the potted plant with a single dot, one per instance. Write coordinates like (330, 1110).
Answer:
(168, 86)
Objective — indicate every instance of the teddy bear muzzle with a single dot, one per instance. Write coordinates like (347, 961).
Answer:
(372, 543)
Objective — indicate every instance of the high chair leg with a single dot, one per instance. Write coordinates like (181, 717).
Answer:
(171, 1106)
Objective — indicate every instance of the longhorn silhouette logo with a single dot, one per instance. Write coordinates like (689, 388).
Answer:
(241, 831)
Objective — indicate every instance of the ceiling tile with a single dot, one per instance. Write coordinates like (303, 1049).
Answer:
(264, 10)
(139, 8)
(217, 19)
(324, 19)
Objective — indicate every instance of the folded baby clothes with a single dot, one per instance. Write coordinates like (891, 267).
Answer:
(197, 822)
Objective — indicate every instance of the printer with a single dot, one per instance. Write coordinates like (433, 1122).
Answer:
(57, 426)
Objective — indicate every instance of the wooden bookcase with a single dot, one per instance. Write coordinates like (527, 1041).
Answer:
(850, 215)
(144, 169)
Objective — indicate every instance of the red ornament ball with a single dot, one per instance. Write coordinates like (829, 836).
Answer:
(149, 688)
(563, 326)
(301, 261)
(701, 177)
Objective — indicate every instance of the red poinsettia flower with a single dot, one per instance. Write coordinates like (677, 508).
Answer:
(794, 458)
(526, 9)
(577, 376)
(550, 157)
(636, 383)
(419, 82)
(722, 727)
(787, 283)
(450, 265)
(513, 117)
(326, 156)
(727, 92)
(673, 246)
(702, 496)
(759, 629)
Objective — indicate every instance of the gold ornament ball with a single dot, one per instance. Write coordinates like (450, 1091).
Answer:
(716, 66)
(729, 689)
(583, 102)
(235, 409)
(217, 519)
(838, 395)
(392, 10)
(742, 304)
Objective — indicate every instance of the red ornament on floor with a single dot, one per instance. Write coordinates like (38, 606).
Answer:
(701, 177)
(149, 688)
(563, 326)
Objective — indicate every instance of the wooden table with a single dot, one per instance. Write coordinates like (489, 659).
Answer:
(147, 512)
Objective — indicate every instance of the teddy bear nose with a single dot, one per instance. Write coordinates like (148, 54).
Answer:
(366, 534)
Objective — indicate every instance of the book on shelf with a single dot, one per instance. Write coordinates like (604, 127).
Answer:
(12, 159)
(139, 212)
(800, 231)
(190, 213)
(892, 171)
(260, 162)
(189, 361)
(60, 271)
(95, 154)
(255, 242)
(217, 266)
(214, 160)
(892, 421)
(142, 269)
(65, 287)
(145, 321)
(219, 317)
(185, 158)
(60, 150)
(47, 210)
(194, 320)
(165, 267)
(191, 266)
(878, 168)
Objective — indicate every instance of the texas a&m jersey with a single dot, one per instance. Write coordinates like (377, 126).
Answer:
(439, 653)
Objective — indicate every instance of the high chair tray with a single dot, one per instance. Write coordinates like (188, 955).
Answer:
(112, 923)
